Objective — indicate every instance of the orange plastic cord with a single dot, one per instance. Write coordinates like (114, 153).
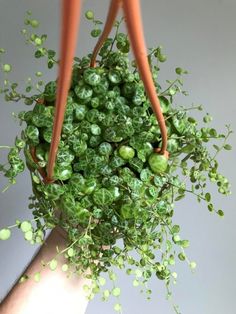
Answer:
(133, 21)
(70, 22)
(112, 13)
(71, 15)
(134, 25)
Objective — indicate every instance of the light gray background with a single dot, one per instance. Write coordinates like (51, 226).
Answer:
(199, 36)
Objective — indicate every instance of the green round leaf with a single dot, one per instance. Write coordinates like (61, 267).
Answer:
(106, 294)
(102, 281)
(116, 292)
(126, 152)
(62, 172)
(158, 163)
(105, 148)
(71, 252)
(28, 235)
(117, 307)
(89, 15)
(26, 226)
(6, 68)
(127, 211)
(5, 234)
(34, 23)
(115, 76)
(53, 191)
(37, 276)
(84, 91)
(135, 283)
(145, 175)
(80, 111)
(220, 213)
(192, 265)
(182, 256)
(103, 197)
(65, 267)
(164, 104)
(32, 133)
(102, 87)
(95, 129)
(96, 32)
(53, 264)
(50, 91)
(91, 77)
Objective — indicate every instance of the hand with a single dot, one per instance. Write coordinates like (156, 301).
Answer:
(54, 292)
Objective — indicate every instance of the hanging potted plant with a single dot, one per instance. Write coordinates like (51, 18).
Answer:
(109, 184)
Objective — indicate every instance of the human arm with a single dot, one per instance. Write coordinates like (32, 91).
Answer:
(54, 293)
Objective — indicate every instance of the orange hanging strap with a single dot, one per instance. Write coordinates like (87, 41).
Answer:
(70, 22)
(134, 25)
(111, 16)
(133, 20)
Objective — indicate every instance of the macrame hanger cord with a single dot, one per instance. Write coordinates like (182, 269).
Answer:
(70, 22)
(111, 16)
(133, 21)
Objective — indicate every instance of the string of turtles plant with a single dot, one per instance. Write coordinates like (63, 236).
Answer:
(109, 185)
